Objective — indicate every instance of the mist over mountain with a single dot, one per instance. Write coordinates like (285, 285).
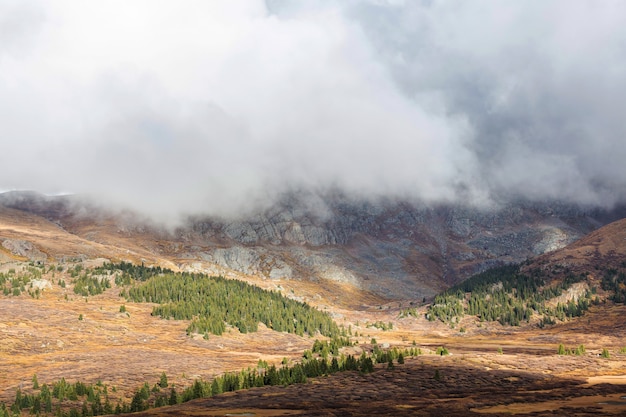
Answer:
(392, 249)
(221, 107)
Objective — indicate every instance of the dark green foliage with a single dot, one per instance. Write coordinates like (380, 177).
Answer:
(445, 308)
(212, 302)
(442, 351)
(86, 398)
(506, 295)
(140, 399)
(287, 375)
(330, 347)
(163, 381)
(173, 400)
(15, 283)
(366, 365)
(579, 350)
(130, 272)
(91, 285)
(74, 272)
(614, 280)
(82, 399)
(380, 325)
(269, 375)
(408, 312)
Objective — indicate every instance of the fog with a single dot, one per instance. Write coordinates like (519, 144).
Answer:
(178, 108)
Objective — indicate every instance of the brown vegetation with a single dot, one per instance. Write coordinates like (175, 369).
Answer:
(492, 369)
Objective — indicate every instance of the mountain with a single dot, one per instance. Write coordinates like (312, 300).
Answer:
(53, 333)
(601, 249)
(546, 290)
(392, 249)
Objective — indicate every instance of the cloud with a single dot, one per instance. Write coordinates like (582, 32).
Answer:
(211, 107)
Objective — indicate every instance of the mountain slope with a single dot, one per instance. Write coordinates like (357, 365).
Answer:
(547, 290)
(59, 334)
(393, 249)
(27, 236)
(602, 248)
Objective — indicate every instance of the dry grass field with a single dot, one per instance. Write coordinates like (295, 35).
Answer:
(45, 337)
(491, 369)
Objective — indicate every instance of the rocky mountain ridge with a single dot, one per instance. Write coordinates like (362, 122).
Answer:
(397, 250)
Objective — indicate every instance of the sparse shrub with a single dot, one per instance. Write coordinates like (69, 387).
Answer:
(441, 351)
(367, 365)
(173, 400)
(163, 381)
(605, 353)
(80, 317)
(122, 308)
(500, 351)
(561, 350)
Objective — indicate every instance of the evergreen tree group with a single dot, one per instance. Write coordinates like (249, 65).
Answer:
(83, 400)
(211, 303)
(506, 295)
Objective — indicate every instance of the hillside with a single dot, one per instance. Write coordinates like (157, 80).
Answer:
(602, 248)
(52, 329)
(546, 290)
(388, 249)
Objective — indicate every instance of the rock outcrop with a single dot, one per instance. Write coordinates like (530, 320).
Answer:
(394, 249)
(24, 249)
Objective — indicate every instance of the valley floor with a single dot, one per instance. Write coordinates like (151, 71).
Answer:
(491, 369)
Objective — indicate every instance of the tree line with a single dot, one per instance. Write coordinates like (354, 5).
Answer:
(614, 280)
(211, 303)
(77, 399)
(506, 295)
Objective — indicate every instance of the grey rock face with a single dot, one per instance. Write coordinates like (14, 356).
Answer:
(246, 260)
(398, 250)
(24, 248)
(395, 249)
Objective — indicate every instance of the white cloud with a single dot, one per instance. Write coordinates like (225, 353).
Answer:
(197, 106)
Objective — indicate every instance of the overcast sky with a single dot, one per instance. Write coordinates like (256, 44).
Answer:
(205, 106)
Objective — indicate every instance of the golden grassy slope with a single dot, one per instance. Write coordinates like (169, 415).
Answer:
(44, 336)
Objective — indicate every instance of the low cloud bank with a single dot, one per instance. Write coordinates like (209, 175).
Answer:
(215, 108)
